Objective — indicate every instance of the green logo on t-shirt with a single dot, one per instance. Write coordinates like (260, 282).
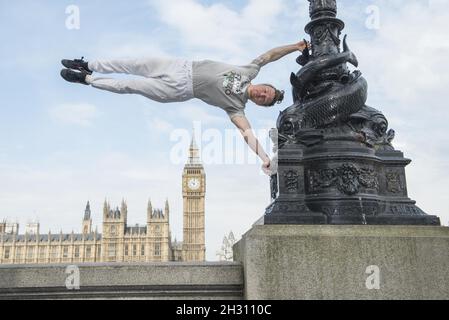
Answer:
(234, 83)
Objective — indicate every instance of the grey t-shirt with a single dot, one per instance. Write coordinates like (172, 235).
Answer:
(223, 85)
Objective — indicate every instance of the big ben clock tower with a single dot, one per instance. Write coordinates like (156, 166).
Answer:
(194, 192)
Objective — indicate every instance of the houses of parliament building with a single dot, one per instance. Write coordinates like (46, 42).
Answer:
(119, 242)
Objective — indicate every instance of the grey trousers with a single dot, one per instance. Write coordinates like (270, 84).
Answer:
(162, 80)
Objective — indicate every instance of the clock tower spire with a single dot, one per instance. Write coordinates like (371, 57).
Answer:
(194, 192)
(194, 152)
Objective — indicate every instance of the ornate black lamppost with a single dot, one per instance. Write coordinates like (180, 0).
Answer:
(336, 161)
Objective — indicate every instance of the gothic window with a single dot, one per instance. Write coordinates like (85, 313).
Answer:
(88, 251)
(30, 253)
(7, 253)
(134, 250)
(42, 253)
(19, 253)
(157, 249)
(54, 252)
(113, 230)
(126, 250)
(77, 252)
(142, 251)
(112, 250)
(65, 251)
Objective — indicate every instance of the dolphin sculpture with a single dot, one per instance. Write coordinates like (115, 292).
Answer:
(325, 105)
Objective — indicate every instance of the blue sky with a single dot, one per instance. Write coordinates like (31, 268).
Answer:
(63, 145)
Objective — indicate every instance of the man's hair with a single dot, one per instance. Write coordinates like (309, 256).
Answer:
(278, 96)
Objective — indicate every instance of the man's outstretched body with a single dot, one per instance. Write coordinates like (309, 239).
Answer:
(219, 84)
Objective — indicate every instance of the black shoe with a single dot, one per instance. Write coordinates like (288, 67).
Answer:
(74, 76)
(77, 64)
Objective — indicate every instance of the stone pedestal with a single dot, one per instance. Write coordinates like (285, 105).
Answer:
(344, 183)
(345, 262)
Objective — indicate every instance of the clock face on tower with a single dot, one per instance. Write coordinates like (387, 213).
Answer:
(194, 184)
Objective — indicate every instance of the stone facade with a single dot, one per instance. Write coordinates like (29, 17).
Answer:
(118, 243)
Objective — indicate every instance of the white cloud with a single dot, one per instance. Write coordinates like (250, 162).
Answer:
(407, 58)
(128, 45)
(216, 26)
(80, 114)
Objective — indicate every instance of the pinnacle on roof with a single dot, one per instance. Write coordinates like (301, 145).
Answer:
(194, 153)
(87, 212)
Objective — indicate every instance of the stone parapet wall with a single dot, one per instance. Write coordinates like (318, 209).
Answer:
(164, 281)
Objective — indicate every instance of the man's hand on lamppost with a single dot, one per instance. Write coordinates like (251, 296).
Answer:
(302, 45)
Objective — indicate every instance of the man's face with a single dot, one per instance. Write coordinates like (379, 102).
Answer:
(262, 95)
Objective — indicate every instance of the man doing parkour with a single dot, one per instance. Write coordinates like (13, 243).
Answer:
(218, 84)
